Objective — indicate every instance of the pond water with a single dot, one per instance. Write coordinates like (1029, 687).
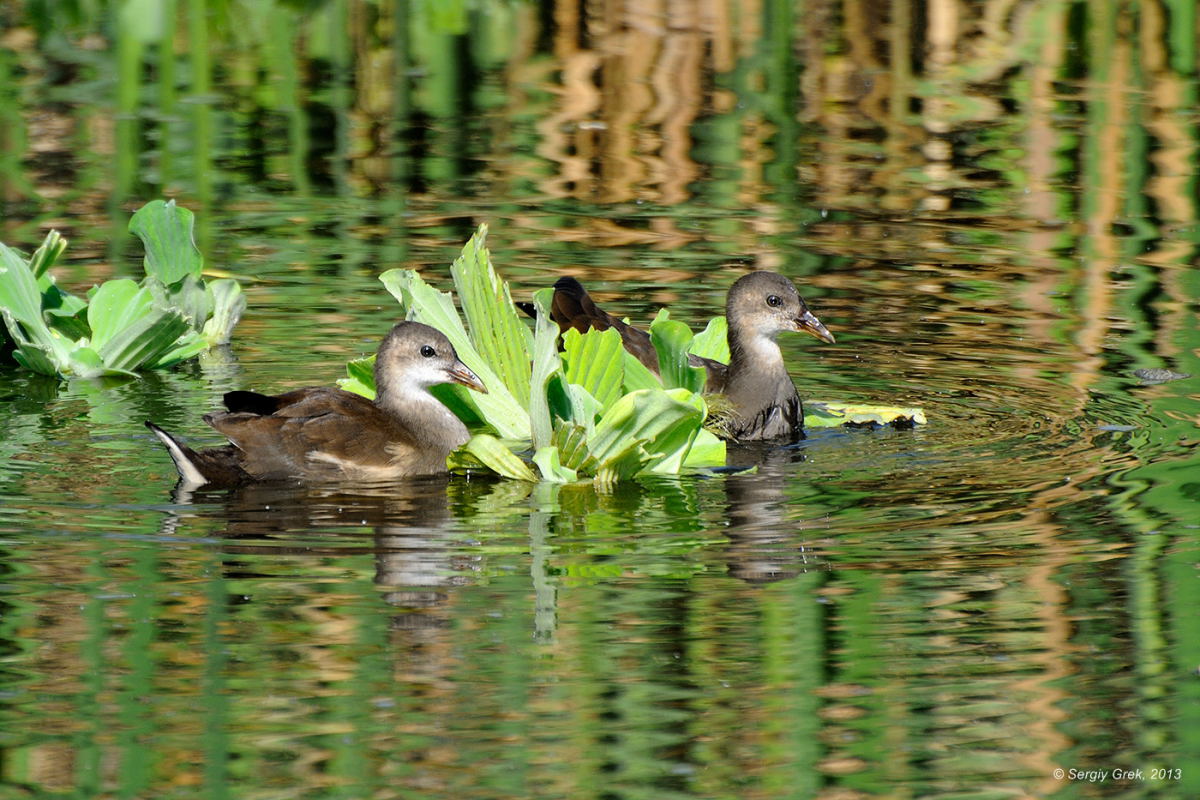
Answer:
(994, 210)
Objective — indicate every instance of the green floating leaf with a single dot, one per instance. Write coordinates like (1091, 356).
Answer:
(190, 345)
(142, 342)
(189, 296)
(44, 356)
(44, 257)
(671, 341)
(637, 376)
(166, 232)
(495, 455)
(19, 293)
(492, 319)
(425, 304)
(125, 326)
(708, 450)
(360, 377)
(593, 361)
(114, 305)
(570, 441)
(649, 421)
(828, 414)
(546, 459)
(713, 341)
(546, 375)
(228, 305)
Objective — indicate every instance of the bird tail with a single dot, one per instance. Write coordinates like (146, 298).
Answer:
(183, 456)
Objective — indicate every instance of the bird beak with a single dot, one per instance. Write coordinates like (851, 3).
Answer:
(808, 323)
(459, 373)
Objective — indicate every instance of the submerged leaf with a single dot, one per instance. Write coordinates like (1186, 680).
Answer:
(828, 414)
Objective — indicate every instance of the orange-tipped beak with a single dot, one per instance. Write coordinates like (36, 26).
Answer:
(808, 323)
(459, 373)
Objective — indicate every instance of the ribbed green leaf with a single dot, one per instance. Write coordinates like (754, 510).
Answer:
(44, 257)
(671, 341)
(713, 341)
(583, 408)
(571, 443)
(85, 362)
(19, 293)
(492, 321)
(594, 361)
(622, 464)
(547, 461)
(636, 374)
(190, 345)
(114, 305)
(654, 419)
(494, 455)
(360, 377)
(142, 341)
(47, 356)
(166, 232)
(425, 304)
(189, 296)
(707, 450)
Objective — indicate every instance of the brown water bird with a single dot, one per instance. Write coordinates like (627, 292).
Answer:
(763, 401)
(325, 434)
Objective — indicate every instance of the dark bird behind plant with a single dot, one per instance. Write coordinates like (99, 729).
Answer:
(762, 400)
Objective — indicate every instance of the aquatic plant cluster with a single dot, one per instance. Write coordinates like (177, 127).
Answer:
(172, 315)
(588, 408)
(591, 410)
(578, 405)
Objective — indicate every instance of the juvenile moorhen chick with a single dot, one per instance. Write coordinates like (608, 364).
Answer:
(324, 434)
(763, 401)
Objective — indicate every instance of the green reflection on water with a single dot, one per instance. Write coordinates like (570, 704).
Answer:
(1000, 227)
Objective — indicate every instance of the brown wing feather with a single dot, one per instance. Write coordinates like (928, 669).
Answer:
(319, 432)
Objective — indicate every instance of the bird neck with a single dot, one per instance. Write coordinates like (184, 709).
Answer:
(421, 414)
(754, 352)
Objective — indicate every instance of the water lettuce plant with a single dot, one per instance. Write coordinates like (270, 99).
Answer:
(591, 411)
(587, 409)
(122, 325)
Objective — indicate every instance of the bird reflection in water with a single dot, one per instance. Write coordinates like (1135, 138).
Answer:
(766, 542)
(408, 526)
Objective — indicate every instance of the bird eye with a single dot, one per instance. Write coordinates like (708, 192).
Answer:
(428, 351)
(774, 301)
